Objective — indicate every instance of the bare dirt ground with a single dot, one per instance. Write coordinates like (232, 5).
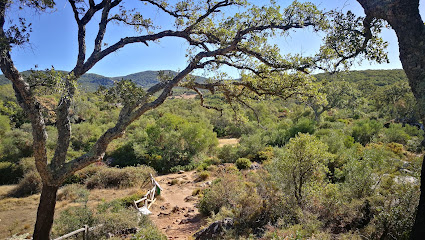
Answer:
(227, 141)
(174, 212)
(17, 215)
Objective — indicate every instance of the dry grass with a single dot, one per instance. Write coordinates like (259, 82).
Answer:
(227, 141)
(17, 215)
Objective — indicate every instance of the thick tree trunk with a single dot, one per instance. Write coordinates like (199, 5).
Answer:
(45, 213)
(404, 17)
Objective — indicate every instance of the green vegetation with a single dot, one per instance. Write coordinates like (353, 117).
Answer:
(349, 172)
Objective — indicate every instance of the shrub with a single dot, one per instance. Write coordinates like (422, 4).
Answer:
(227, 154)
(72, 219)
(252, 201)
(264, 155)
(364, 130)
(16, 144)
(204, 175)
(114, 218)
(304, 125)
(119, 178)
(82, 175)
(4, 124)
(110, 218)
(395, 133)
(28, 185)
(302, 162)
(129, 200)
(396, 148)
(74, 193)
(149, 231)
(243, 163)
(188, 167)
(10, 173)
(27, 164)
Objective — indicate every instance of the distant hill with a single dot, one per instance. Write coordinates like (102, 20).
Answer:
(146, 79)
(91, 81)
(375, 77)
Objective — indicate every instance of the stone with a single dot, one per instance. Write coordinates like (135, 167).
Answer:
(215, 230)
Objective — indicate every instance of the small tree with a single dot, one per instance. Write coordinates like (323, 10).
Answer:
(304, 155)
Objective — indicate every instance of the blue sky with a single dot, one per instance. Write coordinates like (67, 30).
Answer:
(54, 43)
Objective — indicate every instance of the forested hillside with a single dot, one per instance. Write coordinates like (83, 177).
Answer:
(91, 81)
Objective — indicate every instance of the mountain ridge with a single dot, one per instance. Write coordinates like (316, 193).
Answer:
(146, 79)
(91, 81)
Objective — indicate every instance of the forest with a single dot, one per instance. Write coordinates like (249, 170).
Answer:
(344, 167)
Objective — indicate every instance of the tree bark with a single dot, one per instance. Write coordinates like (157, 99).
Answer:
(45, 213)
(404, 17)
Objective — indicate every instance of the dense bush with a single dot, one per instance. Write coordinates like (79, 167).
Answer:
(120, 177)
(303, 125)
(81, 176)
(167, 142)
(16, 144)
(252, 201)
(228, 154)
(365, 130)
(243, 163)
(10, 173)
(28, 185)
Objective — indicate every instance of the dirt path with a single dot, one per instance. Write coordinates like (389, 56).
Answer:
(174, 212)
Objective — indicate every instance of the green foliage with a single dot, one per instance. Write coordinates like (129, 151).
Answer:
(243, 163)
(171, 141)
(303, 162)
(202, 176)
(4, 125)
(16, 144)
(227, 154)
(84, 135)
(303, 125)
(81, 176)
(110, 217)
(264, 155)
(396, 212)
(10, 173)
(365, 130)
(149, 232)
(125, 92)
(395, 133)
(129, 200)
(252, 201)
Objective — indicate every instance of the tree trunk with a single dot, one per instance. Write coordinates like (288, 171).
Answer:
(45, 213)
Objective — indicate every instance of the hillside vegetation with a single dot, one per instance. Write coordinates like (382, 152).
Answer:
(91, 81)
(345, 166)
